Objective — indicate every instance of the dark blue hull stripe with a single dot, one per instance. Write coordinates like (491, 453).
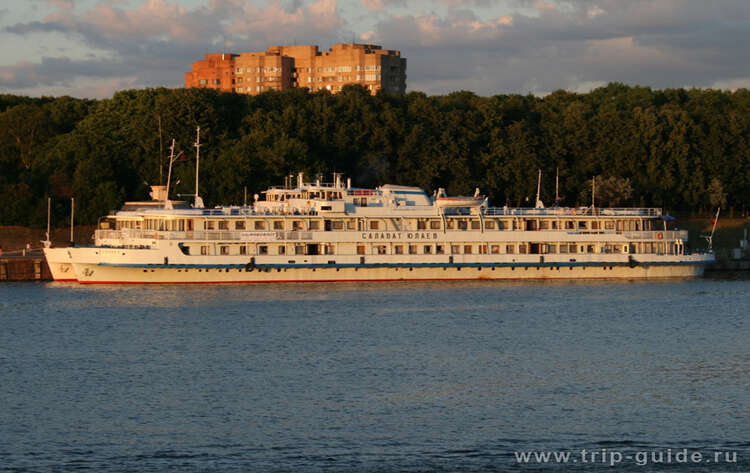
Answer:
(402, 265)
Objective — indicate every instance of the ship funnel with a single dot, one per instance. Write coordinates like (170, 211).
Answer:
(158, 193)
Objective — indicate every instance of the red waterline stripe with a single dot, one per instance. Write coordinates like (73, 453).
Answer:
(367, 280)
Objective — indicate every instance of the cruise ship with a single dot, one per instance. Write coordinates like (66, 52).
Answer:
(331, 231)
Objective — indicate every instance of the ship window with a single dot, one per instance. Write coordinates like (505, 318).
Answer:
(223, 225)
(450, 224)
(609, 225)
(351, 225)
(522, 248)
(398, 249)
(435, 225)
(483, 249)
(489, 225)
(412, 249)
(299, 250)
(262, 250)
(581, 224)
(380, 249)
(373, 224)
(282, 250)
(239, 225)
(243, 250)
(563, 248)
(439, 250)
(360, 249)
(328, 249)
(204, 250)
(594, 225)
(297, 225)
(455, 249)
(278, 225)
(569, 224)
(544, 225)
(475, 224)
(314, 225)
(462, 225)
(421, 225)
(510, 249)
(224, 250)
(495, 249)
(589, 248)
(337, 224)
(260, 225)
(467, 249)
(427, 249)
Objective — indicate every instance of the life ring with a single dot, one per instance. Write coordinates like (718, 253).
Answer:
(573, 212)
(659, 235)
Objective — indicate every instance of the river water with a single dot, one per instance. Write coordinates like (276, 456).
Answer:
(375, 377)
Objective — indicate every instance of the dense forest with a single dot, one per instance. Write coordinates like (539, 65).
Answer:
(680, 149)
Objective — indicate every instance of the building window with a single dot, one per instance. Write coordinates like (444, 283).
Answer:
(239, 69)
(203, 82)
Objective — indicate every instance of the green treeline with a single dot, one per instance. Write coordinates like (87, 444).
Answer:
(680, 149)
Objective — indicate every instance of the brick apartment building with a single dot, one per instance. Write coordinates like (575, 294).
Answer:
(285, 67)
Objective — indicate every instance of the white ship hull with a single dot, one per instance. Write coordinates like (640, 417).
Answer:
(138, 267)
(60, 266)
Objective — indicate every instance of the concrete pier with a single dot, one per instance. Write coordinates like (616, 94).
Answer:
(31, 267)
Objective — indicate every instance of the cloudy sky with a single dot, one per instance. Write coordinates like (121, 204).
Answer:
(91, 48)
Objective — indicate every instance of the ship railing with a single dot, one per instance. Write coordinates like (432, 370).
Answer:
(573, 212)
(203, 235)
(657, 235)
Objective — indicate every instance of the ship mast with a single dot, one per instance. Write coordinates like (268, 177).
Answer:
(198, 200)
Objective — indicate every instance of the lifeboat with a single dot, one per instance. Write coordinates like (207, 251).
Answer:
(442, 200)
